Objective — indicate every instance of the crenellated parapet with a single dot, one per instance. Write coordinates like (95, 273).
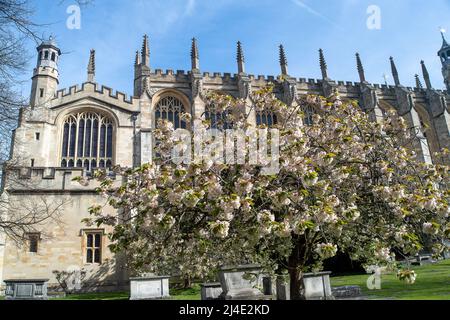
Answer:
(74, 92)
(53, 180)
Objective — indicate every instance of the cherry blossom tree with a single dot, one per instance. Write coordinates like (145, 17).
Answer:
(344, 183)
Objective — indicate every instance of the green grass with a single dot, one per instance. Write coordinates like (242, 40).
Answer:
(97, 296)
(186, 294)
(176, 294)
(432, 283)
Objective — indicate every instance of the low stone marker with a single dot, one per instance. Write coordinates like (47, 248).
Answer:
(210, 291)
(278, 287)
(283, 288)
(317, 286)
(149, 287)
(236, 287)
(346, 292)
(26, 289)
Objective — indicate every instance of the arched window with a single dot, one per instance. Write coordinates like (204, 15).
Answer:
(308, 115)
(87, 141)
(218, 119)
(266, 117)
(170, 108)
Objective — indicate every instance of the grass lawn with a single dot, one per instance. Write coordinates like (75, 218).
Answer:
(432, 283)
(176, 294)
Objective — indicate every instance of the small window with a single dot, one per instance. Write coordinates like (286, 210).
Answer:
(93, 247)
(53, 56)
(41, 92)
(33, 242)
(46, 55)
(32, 162)
(38, 136)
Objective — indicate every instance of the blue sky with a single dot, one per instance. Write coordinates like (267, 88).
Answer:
(114, 28)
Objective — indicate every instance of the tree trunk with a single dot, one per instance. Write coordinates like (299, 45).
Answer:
(295, 263)
(187, 282)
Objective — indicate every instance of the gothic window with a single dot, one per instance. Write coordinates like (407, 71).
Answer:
(170, 108)
(308, 115)
(93, 251)
(87, 141)
(266, 117)
(33, 242)
(218, 119)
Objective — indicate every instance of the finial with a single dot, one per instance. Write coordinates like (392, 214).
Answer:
(426, 75)
(137, 60)
(394, 72)
(195, 58)
(323, 64)
(444, 41)
(145, 52)
(91, 67)
(283, 61)
(385, 78)
(359, 66)
(418, 83)
(240, 58)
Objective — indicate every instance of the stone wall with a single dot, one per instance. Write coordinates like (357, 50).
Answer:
(62, 245)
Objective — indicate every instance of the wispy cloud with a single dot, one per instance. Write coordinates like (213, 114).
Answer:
(190, 7)
(314, 12)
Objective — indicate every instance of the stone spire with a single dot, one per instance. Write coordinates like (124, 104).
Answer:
(418, 83)
(137, 60)
(394, 72)
(323, 64)
(91, 67)
(359, 66)
(426, 75)
(240, 58)
(444, 41)
(195, 58)
(283, 61)
(145, 52)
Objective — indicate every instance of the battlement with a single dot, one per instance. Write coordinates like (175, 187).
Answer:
(94, 87)
(40, 179)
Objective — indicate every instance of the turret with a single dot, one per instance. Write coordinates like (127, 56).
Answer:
(45, 78)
